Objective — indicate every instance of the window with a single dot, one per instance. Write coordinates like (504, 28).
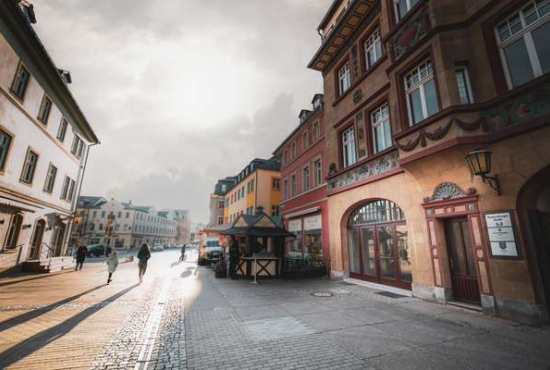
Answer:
(119, 215)
(65, 190)
(252, 185)
(50, 179)
(344, 78)
(523, 43)
(318, 172)
(62, 129)
(293, 154)
(381, 128)
(221, 204)
(464, 87)
(373, 49)
(316, 131)
(5, 143)
(29, 167)
(77, 147)
(94, 214)
(285, 189)
(275, 211)
(294, 185)
(305, 140)
(276, 184)
(127, 214)
(20, 81)
(306, 178)
(421, 93)
(402, 7)
(348, 147)
(45, 109)
(220, 220)
(286, 156)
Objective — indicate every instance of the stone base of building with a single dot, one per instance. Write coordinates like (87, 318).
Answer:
(521, 311)
(337, 274)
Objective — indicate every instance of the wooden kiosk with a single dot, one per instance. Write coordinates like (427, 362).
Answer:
(256, 246)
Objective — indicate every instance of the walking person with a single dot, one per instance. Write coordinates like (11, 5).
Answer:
(112, 264)
(81, 254)
(182, 257)
(143, 256)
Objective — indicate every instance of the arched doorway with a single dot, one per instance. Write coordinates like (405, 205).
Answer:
(377, 244)
(534, 211)
(36, 241)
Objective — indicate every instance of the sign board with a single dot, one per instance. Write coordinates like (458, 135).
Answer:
(501, 234)
(295, 225)
(312, 223)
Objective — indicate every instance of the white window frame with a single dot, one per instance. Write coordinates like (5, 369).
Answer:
(344, 78)
(422, 81)
(318, 166)
(316, 131)
(409, 7)
(466, 73)
(348, 140)
(49, 183)
(379, 117)
(27, 164)
(293, 149)
(370, 44)
(305, 140)
(526, 34)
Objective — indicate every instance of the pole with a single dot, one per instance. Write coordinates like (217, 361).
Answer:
(255, 271)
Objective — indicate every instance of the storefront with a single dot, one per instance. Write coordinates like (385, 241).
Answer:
(309, 238)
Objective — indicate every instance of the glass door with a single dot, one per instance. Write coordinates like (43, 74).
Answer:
(368, 252)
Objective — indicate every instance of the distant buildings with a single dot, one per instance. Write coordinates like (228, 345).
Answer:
(44, 145)
(126, 226)
(217, 200)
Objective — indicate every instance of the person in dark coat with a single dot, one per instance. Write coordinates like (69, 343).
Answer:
(81, 254)
(143, 256)
(182, 257)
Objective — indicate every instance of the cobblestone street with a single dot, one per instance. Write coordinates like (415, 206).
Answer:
(181, 317)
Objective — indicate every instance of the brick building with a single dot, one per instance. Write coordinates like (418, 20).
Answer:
(412, 87)
(304, 205)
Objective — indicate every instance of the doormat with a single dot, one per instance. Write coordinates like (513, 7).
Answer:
(391, 295)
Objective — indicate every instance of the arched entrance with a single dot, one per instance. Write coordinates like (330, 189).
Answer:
(36, 241)
(377, 244)
(534, 211)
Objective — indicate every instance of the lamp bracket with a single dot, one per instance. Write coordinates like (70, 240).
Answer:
(493, 182)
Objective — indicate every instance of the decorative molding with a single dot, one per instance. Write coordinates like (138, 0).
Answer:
(520, 109)
(357, 96)
(410, 34)
(369, 169)
(448, 190)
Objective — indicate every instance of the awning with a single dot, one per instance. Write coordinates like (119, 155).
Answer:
(8, 205)
(302, 213)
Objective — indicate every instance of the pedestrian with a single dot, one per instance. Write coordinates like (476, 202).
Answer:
(182, 257)
(81, 254)
(112, 264)
(143, 256)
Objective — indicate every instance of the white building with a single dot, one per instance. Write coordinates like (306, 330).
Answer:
(44, 144)
(122, 225)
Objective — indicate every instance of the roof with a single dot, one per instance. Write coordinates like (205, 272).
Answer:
(90, 202)
(259, 224)
(13, 16)
(129, 206)
(271, 164)
(300, 125)
(328, 15)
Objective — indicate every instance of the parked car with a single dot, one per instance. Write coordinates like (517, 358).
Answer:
(98, 250)
(157, 248)
(213, 252)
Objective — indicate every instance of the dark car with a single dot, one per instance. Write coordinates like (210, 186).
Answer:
(213, 253)
(98, 250)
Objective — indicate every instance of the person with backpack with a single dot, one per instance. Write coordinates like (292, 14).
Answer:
(143, 256)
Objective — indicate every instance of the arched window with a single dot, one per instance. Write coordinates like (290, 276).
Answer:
(377, 244)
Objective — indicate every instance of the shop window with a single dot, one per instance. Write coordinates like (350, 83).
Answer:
(402, 7)
(45, 109)
(348, 147)
(29, 167)
(5, 143)
(344, 78)
(381, 128)
(463, 84)
(373, 49)
(20, 81)
(523, 43)
(421, 93)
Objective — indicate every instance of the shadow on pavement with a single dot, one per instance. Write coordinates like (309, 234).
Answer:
(14, 321)
(179, 262)
(34, 277)
(187, 272)
(42, 339)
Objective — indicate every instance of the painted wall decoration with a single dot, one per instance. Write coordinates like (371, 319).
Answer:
(410, 34)
(362, 172)
(448, 190)
(520, 109)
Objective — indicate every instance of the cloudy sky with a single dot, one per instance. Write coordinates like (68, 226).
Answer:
(182, 92)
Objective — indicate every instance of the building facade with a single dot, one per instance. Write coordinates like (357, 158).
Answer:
(304, 206)
(122, 225)
(183, 225)
(217, 200)
(411, 88)
(44, 145)
(257, 185)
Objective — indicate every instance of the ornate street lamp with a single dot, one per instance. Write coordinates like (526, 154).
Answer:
(479, 162)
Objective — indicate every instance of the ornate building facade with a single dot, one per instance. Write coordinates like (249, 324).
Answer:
(437, 124)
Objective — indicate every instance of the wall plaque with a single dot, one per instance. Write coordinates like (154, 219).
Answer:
(501, 234)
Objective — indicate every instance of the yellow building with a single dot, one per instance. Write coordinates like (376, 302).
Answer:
(258, 184)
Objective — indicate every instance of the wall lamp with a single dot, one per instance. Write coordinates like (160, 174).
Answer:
(479, 162)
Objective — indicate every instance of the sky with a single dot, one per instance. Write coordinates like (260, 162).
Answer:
(182, 92)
